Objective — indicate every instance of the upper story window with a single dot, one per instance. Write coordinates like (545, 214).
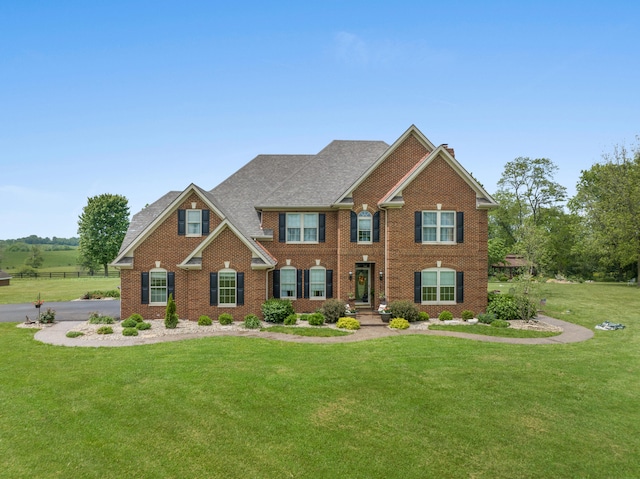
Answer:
(364, 227)
(438, 226)
(158, 286)
(227, 287)
(438, 286)
(302, 227)
(194, 222)
(288, 283)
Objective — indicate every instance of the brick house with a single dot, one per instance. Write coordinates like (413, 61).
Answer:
(359, 220)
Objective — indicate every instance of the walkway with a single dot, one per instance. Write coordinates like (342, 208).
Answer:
(371, 328)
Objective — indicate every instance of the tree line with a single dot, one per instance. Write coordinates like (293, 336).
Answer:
(593, 235)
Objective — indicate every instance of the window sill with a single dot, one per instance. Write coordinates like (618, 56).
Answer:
(448, 303)
(449, 243)
(158, 304)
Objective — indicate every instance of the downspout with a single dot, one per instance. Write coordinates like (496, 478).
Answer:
(386, 255)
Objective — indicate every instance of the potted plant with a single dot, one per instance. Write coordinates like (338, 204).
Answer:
(385, 313)
(350, 312)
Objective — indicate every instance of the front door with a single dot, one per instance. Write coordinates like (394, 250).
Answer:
(363, 279)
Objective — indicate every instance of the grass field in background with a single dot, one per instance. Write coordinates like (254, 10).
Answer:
(64, 260)
(51, 290)
(411, 406)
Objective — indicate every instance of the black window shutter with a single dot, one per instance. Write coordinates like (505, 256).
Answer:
(171, 285)
(240, 289)
(417, 287)
(213, 289)
(418, 227)
(299, 283)
(376, 227)
(329, 281)
(144, 288)
(354, 227)
(321, 227)
(282, 227)
(276, 283)
(306, 283)
(460, 287)
(460, 227)
(205, 222)
(182, 222)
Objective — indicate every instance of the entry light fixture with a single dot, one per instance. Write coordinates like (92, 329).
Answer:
(350, 275)
(380, 275)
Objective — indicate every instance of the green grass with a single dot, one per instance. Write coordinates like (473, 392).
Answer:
(51, 290)
(489, 331)
(410, 406)
(64, 260)
(303, 331)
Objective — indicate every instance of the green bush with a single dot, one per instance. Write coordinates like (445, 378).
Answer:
(97, 318)
(129, 323)
(403, 308)
(130, 332)
(508, 307)
(136, 317)
(291, 319)
(143, 326)
(251, 321)
(105, 330)
(49, 316)
(316, 319)
(275, 310)
(467, 314)
(486, 318)
(423, 316)
(113, 293)
(445, 316)
(74, 334)
(204, 320)
(399, 323)
(170, 316)
(225, 319)
(348, 323)
(333, 309)
(304, 317)
(499, 323)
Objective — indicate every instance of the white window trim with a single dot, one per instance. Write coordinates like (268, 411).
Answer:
(187, 223)
(166, 287)
(302, 240)
(220, 303)
(295, 281)
(438, 227)
(324, 290)
(438, 271)
(370, 229)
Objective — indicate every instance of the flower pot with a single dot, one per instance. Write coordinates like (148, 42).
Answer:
(386, 317)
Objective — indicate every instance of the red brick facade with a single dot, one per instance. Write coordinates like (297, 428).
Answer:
(439, 184)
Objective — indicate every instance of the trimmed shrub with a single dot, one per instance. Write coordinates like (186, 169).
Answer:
(276, 310)
(486, 318)
(404, 309)
(445, 316)
(291, 319)
(170, 316)
(129, 323)
(204, 320)
(348, 323)
(105, 330)
(251, 321)
(74, 334)
(97, 318)
(333, 309)
(399, 323)
(129, 332)
(113, 293)
(499, 323)
(49, 316)
(143, 326)
(508, 307)
(225, 319)
(467, 314)
(304, 317)
(423, 316)
(316, 319)
(136, 317)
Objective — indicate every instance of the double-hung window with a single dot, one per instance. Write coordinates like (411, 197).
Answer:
(288, 283)
(364, 227)
(438, 286)
(158, 286)
(194, 222)
(438, 226)
(317, 282)
(302, 227)
(227, 288)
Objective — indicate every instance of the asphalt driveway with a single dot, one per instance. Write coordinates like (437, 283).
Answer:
(65, 310)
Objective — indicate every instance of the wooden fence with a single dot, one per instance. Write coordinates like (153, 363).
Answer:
(68, 274)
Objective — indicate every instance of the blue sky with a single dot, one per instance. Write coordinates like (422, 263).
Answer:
(138, 98)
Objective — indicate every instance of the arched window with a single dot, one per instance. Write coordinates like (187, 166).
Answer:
(438, 286)
(227, 282)
(364, 227)
(288, 282)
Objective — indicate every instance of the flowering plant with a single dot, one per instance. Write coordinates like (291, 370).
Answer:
(348, 309)
(37, 303)
(383, 308)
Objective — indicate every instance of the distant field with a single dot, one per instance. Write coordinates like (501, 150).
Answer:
(50, 290)
(65, 260)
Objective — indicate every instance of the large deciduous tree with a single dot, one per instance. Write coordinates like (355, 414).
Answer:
(102, 226)
(608, 200)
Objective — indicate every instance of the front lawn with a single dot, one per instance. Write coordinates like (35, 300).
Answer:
(489, 331)
(410, 406)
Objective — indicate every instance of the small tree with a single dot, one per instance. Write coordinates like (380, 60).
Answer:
(170, 316)
(527, 296)
(35, 258)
